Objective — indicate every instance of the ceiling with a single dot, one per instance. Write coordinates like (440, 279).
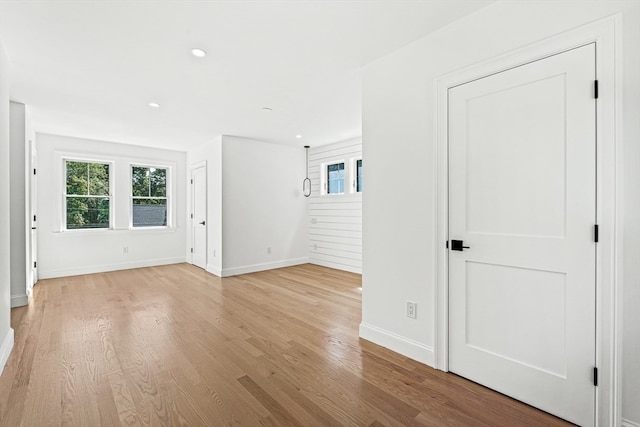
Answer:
(90, 68)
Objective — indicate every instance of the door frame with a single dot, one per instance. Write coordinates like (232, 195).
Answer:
(605, 34)
(191, 205)
(31, 199)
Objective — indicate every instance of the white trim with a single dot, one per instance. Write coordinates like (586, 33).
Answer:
(63, 185)
(336, 266)
(50, 274)
(214, 270)
(19, 300)
(324, 176)
(82, 233)
(168, 191)
(629, 423)
(405, 346)
(114, 161)
(353, 175)
(194, 166)
(606, 34)
(5, 349)
(234, 271)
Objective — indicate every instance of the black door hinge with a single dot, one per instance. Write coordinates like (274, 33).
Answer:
(192, 181)
(35, 264)
(595, 89)
(34, 171)
(191, 250)
(447, 244)
(34, 218)
(596, 233)
(191, 216)
(595, 376)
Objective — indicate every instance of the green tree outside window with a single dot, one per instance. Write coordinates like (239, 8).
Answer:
(87, 195)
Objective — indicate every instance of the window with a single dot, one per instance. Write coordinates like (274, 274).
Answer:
(149, 196)
(87, 198)
(359, 175)
(335, 178)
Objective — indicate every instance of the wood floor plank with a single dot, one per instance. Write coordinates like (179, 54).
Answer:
(175, 346)
(277, 411)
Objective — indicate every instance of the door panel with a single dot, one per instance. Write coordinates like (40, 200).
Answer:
(199, 225)
(522, 197)
(501, 164)
(515, 296)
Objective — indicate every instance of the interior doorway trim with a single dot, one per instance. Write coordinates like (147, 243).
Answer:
(191, 209)
(605, 34)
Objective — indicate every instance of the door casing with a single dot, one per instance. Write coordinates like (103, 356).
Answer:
(194, 167)
(32, 211)
(604, 33)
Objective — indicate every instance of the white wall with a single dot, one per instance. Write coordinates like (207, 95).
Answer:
(262, 206)
(65, 253)
(19, 243)
(211, 153)
(398, 126)
(335, 221)
(6, 333)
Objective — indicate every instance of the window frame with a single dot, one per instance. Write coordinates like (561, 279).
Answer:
(355, 177)
(110, 165)
(168, 195)
(325, 177)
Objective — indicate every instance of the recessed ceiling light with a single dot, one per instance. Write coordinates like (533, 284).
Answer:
(267, 109)
(154, 105)
(298, 136)
(199, 53)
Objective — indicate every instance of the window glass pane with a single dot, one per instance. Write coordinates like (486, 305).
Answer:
(149, 212)
(158, 182)
(98, 179)
(359, 175)
(87, 212)
(77, 178)
(335, 178)
(140, 181)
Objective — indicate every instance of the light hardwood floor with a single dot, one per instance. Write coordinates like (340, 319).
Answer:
(176, 346)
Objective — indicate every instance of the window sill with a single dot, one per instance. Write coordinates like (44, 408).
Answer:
(346, 195)
(151, 229)
(111, 231)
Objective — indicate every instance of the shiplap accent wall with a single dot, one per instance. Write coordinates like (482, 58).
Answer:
(335, 221)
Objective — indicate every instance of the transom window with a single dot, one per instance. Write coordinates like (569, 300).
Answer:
(149, 196)
(335, 178)
(87, 195)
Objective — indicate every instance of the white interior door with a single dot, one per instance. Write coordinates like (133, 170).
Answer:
(522, 153)
(199, 216)
(33, 215)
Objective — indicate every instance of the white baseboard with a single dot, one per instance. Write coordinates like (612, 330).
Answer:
(405, 346)
(19, 300)
(50, 274)
(628, 423)
(234, 271)
(357, 270)
(214, 270)
(5, 349)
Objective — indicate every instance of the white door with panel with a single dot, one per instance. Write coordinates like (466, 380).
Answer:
(32, 277)
(522, 211)
(199, 216)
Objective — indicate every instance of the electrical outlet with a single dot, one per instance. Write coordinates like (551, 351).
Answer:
(214, 253)
(269, 250)
(315, 246)
(125, 250)
(314, 220)
(412, 309)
